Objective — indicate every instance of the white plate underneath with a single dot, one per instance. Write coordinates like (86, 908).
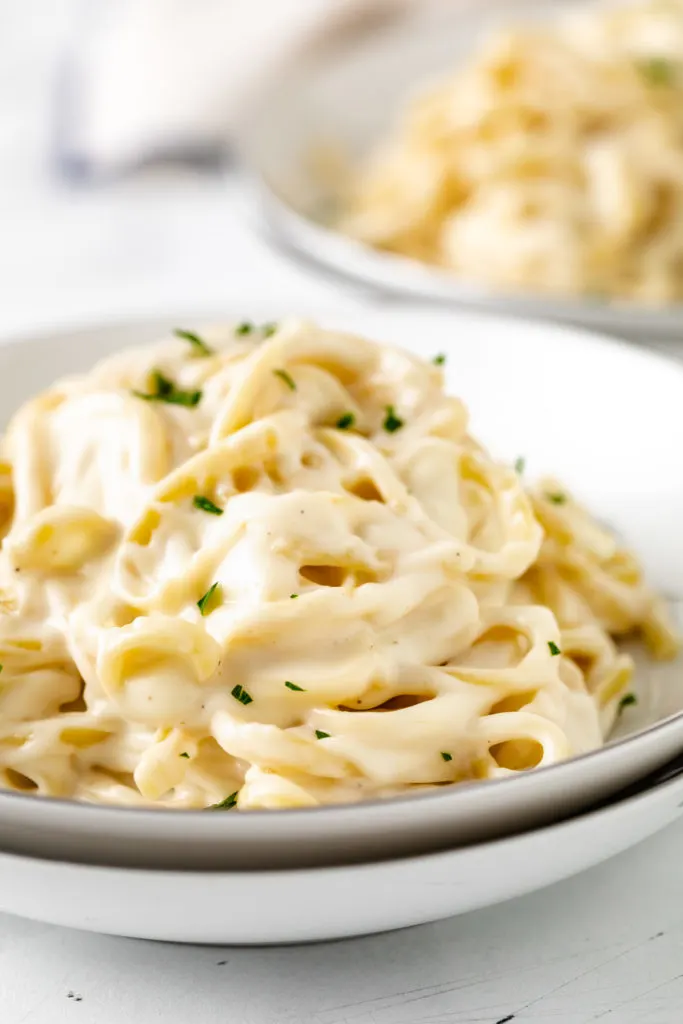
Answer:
(270, 907)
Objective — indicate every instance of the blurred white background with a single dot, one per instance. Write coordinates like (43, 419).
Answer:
(165, 237)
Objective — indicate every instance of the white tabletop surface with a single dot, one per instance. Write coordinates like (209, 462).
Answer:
(607, 945)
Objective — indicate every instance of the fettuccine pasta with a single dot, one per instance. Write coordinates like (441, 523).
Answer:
(551, 161)
(268, 566)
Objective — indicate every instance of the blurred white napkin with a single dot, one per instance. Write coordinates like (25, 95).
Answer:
(149, 79)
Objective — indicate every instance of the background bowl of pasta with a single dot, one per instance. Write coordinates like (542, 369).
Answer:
(520, 157)
(273, 597)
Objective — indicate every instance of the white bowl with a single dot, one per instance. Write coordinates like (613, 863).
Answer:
(351, 95)
(608, 419)
(269, 907)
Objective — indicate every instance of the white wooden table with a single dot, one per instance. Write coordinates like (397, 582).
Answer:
(607, 945)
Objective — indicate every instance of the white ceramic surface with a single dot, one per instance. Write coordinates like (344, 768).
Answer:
(605, 417)
(350, 96)
(268, 907)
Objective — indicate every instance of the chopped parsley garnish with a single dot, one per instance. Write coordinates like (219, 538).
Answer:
(553, 648)
(166, 391)
(439, 359)
(209, 598)
(627, 701)
(284, 376)
(293, 686)
(206, 505)
(247, 327)
(292, 596)
(320, 735)
(224, 805)
(346, 421)
(241, 695)
(184, 754)
(0, 668)
(392, 422)
(446, 756)
(557, 498)
(199, 345)
(520, 465)
(658, 70)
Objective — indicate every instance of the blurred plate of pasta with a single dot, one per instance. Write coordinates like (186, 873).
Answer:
(519, 158)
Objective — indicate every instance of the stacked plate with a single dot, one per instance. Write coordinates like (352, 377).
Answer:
(606, 418)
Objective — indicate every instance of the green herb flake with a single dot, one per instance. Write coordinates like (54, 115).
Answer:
(184, 754)
(1, 667)
(210, 598)
(658, 70)
(241, 695)
(292, 597)
(284, 376)
(346, 421)
(557, 498)
(520, 465)
(206, 505)
(224, 805)
(293, 686)
(446, 756)
(166, 391)
(320, 735)
(392, 422)
(627, 701)
(244, 328)
(439, 360)
(269, 329)
(553, 648)
(199, 345)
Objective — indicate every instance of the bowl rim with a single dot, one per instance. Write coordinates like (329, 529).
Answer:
(625, 800)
